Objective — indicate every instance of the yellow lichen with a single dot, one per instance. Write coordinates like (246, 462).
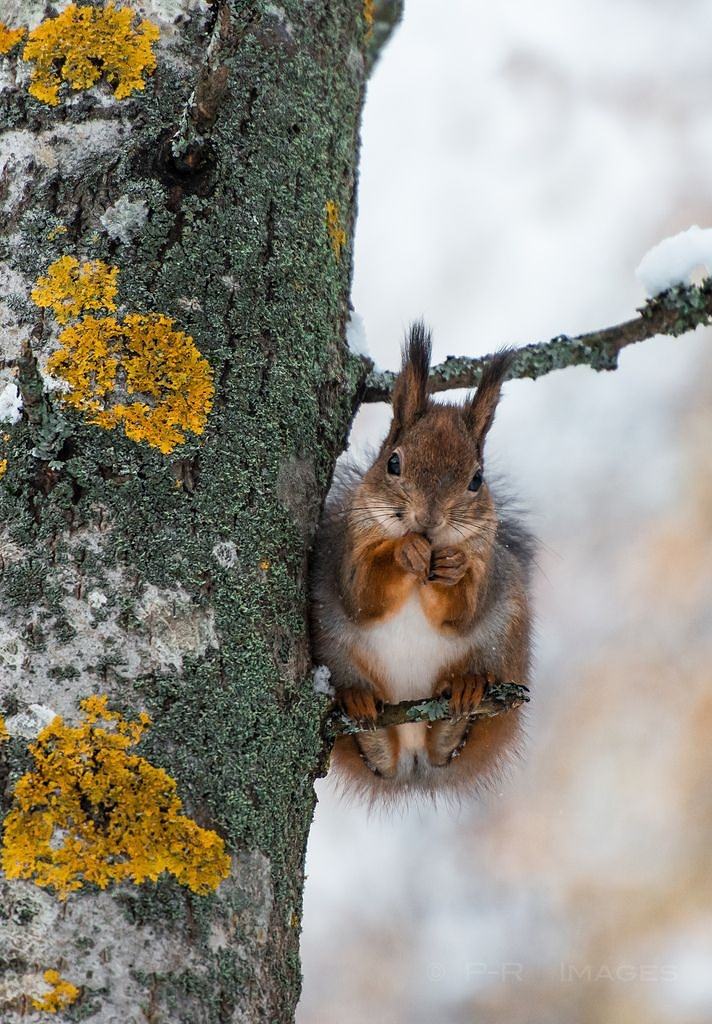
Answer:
(60, 229)
(3, 471)
(70, 287)
(61, 995)
(9, 37)
(368, 16)
(82, 44)
(140, 373)
(337, 235)
(4, 734)
(91, 812)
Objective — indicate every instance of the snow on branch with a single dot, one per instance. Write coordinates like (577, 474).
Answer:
(675, 311)
(674, 260)
(498, 698)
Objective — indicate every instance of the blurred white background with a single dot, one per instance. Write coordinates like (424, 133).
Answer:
(518, 160)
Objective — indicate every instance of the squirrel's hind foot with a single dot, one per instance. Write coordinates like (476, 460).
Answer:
(361, 705)
(465, 691)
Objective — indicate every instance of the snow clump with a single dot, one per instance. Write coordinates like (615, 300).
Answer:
(674, 260)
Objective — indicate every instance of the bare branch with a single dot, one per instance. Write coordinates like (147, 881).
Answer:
(675, 312)
(500, 697)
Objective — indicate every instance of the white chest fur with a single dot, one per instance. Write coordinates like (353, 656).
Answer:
(410, 652)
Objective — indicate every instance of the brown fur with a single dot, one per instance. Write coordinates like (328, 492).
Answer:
(421, 543)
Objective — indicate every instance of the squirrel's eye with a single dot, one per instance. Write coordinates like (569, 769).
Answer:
(475, 483)
(394, 464)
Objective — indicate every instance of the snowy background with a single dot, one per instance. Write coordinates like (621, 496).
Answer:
(518, 161)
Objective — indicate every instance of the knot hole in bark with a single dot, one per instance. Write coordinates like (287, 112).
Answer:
(195, 170)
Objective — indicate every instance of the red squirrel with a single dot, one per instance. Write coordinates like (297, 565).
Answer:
(420, 589)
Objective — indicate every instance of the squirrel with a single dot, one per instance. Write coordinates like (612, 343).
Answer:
(420, 589)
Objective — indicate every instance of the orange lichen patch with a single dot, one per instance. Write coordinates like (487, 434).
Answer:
(10, 37)
(60, 229)
(82, 44)
(70, 287)
(3, 470)
(61, 995)
(368, 15)
(90, 812)
(337, 235)
(140, 373)
(4, 734)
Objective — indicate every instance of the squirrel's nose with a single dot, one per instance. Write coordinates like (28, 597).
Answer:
(429, 522)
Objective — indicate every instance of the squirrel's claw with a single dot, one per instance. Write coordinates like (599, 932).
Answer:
(413, 554)
(448, 566)
(360, 705)
(465, 692)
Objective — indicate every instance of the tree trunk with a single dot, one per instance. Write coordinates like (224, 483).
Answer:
(170, 575)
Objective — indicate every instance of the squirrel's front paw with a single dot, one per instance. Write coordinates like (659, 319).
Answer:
(465, 692)
(360, 705)
(448, 566)
(413, 554)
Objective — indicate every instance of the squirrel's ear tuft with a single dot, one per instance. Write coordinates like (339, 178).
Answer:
(479, 413)
(410, 394)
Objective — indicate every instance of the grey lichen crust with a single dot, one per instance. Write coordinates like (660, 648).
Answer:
(176, 583)
(675, 311)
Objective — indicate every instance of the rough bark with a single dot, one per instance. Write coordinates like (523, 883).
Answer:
(175, 583)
